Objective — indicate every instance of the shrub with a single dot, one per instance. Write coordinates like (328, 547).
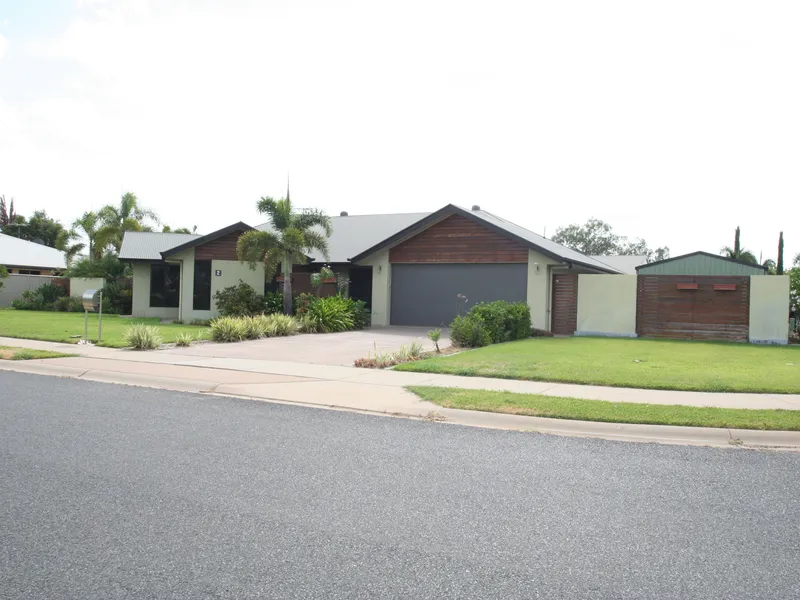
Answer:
(228, 329)
(68, 304)
(540, 332)
(3, 275)
(118, 296)
(142, 337)
(331, 315)
(200, 322)
(239, 301)
(184, 339)
(42, 298)
(281, 325)
(255, 327)
(505, 321)
(273, 303)
(435, 335)
(362, 317)
(469, 331)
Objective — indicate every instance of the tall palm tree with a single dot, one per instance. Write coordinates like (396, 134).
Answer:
(88, 224)
(291, 236)
(64, 243)
(115, 220)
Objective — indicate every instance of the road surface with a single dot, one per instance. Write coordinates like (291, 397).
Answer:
(109, 491)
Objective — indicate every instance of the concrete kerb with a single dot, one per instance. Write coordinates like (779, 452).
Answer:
(416, 409)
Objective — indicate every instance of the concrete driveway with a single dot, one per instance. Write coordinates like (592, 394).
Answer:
(322, 349)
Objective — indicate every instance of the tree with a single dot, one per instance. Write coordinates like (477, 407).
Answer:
(6, 213)
(88, 224)
(770, 264)
(39, 228)
(168, 229)
(115, 220)
(794, 289)
(779, 266)
(797, 260)
(107, 266)
(737, 252)
(292, 236)
(70, 250)
(597, 238)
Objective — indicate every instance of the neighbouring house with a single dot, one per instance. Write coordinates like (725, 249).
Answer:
(411, 269)
(22, 257)
(700, 263)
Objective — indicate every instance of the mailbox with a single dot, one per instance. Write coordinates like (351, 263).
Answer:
(91, 300)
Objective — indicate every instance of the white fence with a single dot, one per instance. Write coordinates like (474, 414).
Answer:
(14, 285)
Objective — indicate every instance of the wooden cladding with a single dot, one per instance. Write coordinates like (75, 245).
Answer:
(564, 307)
(222, 248)
(457, 239)
(704, 311)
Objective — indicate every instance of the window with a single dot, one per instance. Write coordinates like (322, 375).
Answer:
(164, 283)
(28, 272)
(202, 285)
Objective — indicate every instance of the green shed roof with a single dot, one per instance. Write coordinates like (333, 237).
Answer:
(700, 263)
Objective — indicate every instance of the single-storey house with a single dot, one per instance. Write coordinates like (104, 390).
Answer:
(411, 269)
(22, 257)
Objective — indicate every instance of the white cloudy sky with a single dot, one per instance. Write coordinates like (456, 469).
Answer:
(674, 121)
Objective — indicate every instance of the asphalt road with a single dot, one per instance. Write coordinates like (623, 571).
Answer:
(120, 492)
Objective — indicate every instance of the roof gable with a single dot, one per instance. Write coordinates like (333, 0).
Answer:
(707, 255)
(205, 239)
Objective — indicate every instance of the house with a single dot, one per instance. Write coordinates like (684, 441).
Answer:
(700, 263)
(22, 257)
(411, 269)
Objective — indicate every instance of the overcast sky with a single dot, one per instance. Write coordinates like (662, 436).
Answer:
(674, 121)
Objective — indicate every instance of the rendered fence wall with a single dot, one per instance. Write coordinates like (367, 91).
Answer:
(607, 305)
(14, 285)
(769, 309)
(78, 285)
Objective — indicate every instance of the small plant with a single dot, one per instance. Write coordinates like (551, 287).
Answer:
(200, 322)
(415, 350)
(142, 337)
(228, 329)
(255, 327)
(281, 325)
(178, 322)
(239, 300)
(535, 332)
(435, 335)
(184, 339)
(68, 304)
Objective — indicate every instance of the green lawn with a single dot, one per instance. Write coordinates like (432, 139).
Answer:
(14, 353)
(556, 407)
(62, 327)
(655, 364)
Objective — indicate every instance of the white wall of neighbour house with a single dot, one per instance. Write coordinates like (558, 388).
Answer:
(381, 282)
(769, 309)
(539, 278)
(78, 285)
(607, 305)
(141, 295)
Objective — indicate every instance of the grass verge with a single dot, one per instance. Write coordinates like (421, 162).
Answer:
(637, 363)
(11, 353)
(68, 327)
(556, 407)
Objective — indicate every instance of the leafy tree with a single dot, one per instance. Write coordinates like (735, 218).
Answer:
(291, 237)
(597, 238)
(168, 229)
(88, 225)
(797, 260)
(779, 266)
(3, 275)
(794, 288)
(770, 264)
(39, 228)
(6, 213)
(115, 220)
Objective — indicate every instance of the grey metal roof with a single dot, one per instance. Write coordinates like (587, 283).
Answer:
(625, 264)
(22, 253)
(148, 245)
(356, 233)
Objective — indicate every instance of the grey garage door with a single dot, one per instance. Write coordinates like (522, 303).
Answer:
(427, 295)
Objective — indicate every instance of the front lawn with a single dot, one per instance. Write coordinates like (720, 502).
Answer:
(655, 364)
(64, 327)
(555, 407)
(14, 353)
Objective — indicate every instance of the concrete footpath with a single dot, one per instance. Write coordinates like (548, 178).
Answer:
(382, 392)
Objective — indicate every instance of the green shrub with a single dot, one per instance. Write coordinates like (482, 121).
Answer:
(118, 296)
(469, 331)
(228, 329)
(330, 315)
(255, 327)
(184, 339)
(68, 304)
(142, 337)
(281, 325)
(362, 317)
(42, 298)
(239, 300)
(200, 322)
(505, 321)
(273, 303)
(3, 275)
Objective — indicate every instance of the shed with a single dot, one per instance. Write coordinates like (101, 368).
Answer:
(701, 263)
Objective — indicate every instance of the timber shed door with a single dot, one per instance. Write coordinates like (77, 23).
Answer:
(564, 306)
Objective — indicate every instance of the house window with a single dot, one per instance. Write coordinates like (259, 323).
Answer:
(202, 285)
(164, 285)
(28, 272)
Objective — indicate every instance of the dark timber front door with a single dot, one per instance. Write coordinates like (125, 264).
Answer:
(564, 306)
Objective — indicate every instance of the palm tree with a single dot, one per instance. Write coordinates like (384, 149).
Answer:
(771, 266)
(88, 225)
(116, 220)
(291, 236)
(743, 254)
(63, 243)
